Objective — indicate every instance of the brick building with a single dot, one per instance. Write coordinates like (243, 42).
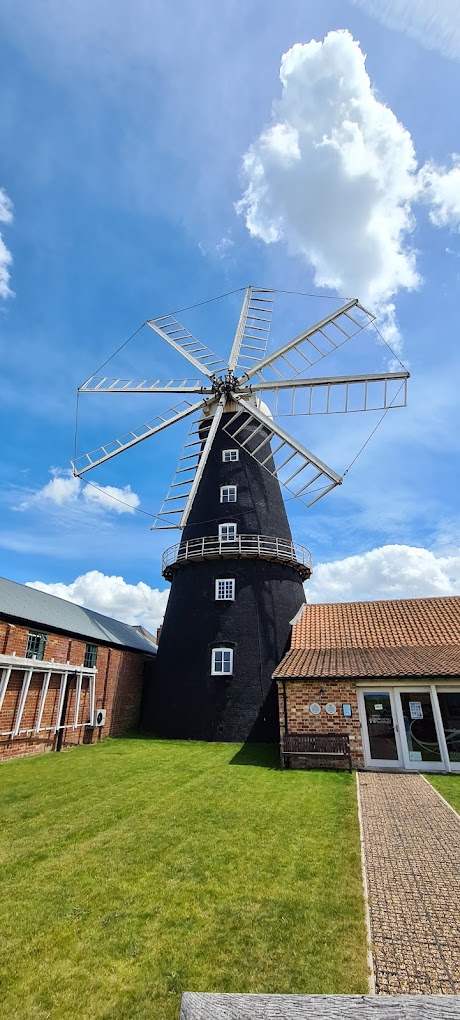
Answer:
(386, 673)
(60, 665)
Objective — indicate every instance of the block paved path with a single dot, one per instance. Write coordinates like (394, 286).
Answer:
(411, 843)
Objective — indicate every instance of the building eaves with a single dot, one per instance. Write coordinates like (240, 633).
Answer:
(361, 663)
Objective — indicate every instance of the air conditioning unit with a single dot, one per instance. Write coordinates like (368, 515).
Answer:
(99, 717)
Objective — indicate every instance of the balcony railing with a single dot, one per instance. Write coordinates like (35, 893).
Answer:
(211, 547)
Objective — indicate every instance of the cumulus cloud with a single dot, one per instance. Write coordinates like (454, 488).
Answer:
(335, 178)
(64, 490)
(113, 596)
(392, 571)
(441, 189)
(6, 258)
(434, 26)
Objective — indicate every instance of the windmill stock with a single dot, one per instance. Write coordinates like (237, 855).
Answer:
(236, 574)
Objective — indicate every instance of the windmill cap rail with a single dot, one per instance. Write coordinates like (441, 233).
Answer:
(211, 547)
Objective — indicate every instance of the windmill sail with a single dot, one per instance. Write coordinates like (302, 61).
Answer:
(335, 395)
(171, 330)
(253, 330)
(105, 384)
(299, 354)
(87, 461)
(296, 468)
(175, 501)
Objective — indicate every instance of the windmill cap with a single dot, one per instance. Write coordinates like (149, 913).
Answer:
(232, 407)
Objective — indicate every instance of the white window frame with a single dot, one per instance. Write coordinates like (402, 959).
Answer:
(221, 672)
(230, 456)
(225, 589)
(225, 537)
(230, 489)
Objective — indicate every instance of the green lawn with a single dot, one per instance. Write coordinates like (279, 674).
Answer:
(449, 787)
(135, 869)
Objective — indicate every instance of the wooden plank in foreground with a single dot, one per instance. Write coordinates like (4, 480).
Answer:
(210, 1006)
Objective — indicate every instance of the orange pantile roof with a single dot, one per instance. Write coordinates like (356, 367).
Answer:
(396, 637)
(390, 623)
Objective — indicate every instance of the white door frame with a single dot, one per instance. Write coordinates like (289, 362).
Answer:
(422, 766)
(368, 760)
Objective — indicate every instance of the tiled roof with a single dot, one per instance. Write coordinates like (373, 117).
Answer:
(19, 602)
(385, 624)
(396, 637)
(301, 663)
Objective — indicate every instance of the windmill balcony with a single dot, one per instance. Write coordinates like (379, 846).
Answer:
(211, 547)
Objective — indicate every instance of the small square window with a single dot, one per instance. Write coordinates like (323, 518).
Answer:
(222, 661)
(36, 643)
(230, 455)
(225, 589)
(227, 532)
(228, 494)
(90, 657)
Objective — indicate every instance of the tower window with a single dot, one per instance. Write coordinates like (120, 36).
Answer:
(222, 661)
(228, 493)
(225, 589)
(36, 643)
(227, 532)
(230, 455)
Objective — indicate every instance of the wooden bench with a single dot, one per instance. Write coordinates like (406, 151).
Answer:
(329, 747)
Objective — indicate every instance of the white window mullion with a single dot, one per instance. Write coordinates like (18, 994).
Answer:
(61, 700)
(77, 700)
(92, 696)
(6, 673)
(46, 683)
(22, 701)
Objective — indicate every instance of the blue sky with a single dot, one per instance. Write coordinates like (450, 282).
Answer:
(130, 134)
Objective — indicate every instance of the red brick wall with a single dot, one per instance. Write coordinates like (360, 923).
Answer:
(301, 694)
(118, 689)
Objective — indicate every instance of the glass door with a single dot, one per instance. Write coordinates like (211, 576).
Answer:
(418, 725)
(449, 706)
(380, 732)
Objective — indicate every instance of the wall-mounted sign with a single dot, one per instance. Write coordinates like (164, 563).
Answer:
(315, 709)
(331, 709)
(346, 711)
(415, 709)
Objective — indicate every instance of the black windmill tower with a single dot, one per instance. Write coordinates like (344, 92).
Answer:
(236, 575)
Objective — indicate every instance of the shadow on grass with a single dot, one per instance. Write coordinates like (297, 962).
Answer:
(264, 756)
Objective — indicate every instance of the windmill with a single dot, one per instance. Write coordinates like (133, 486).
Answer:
(236, 575)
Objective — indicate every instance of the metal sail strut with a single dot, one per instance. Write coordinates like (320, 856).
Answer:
(91, 460)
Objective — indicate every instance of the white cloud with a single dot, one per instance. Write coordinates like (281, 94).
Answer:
(392, 571)
(441, 189)
(436, 26)
(65, 490)
(6, 258)
(335, 178)
(112, 596)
